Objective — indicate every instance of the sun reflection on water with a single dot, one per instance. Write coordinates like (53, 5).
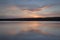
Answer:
(32, 27)
(14, 28)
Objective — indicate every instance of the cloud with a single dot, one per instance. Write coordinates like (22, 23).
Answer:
(17, 12)
(14, 11)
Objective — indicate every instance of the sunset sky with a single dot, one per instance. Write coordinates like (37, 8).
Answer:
(29, 8)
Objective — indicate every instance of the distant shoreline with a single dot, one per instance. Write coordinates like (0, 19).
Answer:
(33, 19)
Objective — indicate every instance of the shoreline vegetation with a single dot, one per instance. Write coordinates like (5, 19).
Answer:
(32, 19)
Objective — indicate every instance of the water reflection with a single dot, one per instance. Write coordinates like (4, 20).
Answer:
(36, 28)
(14, 28)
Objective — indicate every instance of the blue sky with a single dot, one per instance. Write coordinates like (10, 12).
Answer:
(29, 8)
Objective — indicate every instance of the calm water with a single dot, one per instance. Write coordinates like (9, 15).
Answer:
(30, 30)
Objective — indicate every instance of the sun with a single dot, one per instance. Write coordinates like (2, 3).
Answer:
(35, 16)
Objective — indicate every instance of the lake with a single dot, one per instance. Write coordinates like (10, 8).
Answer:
(29, 30)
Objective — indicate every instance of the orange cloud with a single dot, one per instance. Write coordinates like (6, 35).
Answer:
(12, 8)
(33, 12)
(27, 13)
